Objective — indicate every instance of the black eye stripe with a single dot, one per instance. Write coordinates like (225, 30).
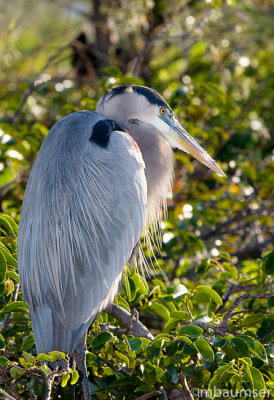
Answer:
(102, 130)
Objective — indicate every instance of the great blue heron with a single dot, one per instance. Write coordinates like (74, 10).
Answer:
(98, 178)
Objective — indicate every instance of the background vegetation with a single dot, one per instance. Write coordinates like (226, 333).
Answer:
(210, 313)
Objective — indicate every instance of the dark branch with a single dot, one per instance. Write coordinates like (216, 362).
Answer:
(149, 395)
(37, 82)
(125, 318)
(148, 42)
(229, 314)
(249, 249)
(7, 396)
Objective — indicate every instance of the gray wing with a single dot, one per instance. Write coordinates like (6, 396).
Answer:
(83, 212)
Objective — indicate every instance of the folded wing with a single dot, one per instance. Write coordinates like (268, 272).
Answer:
(83, 213)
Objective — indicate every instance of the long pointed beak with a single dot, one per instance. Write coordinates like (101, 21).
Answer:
(185, 142)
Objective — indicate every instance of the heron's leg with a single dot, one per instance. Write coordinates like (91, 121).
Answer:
(80, 352)
(72, 364)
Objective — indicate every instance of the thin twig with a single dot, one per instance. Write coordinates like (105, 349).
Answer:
(125, 318)
(251, 248)
(6, 186)
(14, 298)
(36, 83)
(149, 395)
(239, 300)
(217, 329)
(7, 396)
(48, 388)
(189, 311)
(263, 339)
(226, 297)
(239, 216)
(148, 42)
(250, 311)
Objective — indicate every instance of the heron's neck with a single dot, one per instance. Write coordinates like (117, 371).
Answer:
(158, 157)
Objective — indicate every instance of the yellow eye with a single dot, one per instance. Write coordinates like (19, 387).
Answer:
(162, 111)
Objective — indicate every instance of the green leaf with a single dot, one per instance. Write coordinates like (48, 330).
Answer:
(172, 375)
(9, 223)
(65, 379)
(257, 381)
(9, 258)
(28, 343)
(188, 341)
(126, 284)
(143, 286)
(149, 373)
(221, 370)
(224, 256)
(28, 357)
(13, 275)
(159, 373)
(3, 267)
(16, 306)
(122, 357)
(240, 347)
(253, 319)
(180, 315)
(43, 357)
(155, 347)
(255, 347)
(74, 377)
(57, 355)
(205, 349)
(100, 340)
(191, 330)
(123, 303)
(3, 362)
(135, 343)
(172, 322)
(2, 342)
(93, 388)
(270, 301)
(161, 310)
(211, 293)
(268, 262)
(198, 49)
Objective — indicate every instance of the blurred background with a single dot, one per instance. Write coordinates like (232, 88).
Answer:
(211, 60)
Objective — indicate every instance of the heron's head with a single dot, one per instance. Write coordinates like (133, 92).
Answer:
(142, 104)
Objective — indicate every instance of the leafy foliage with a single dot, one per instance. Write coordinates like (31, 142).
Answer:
(211, 310)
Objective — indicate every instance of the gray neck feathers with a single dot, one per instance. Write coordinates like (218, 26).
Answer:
(158, 157)
(157, 152)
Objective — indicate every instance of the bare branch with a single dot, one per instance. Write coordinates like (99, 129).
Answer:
(6, 186)
(248, 249)
(125, 318)
(36, 83)
(149, 395)
(148, 42)
(250, 311)
(7, 396)
(48, 388)
(239, 216)
(239, 300)
(226, 297)
(269, 334)
(217, 329)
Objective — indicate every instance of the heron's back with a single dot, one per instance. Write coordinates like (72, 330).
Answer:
(83, 212)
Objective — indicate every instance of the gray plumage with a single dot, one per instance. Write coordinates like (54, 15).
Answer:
(86, 204)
